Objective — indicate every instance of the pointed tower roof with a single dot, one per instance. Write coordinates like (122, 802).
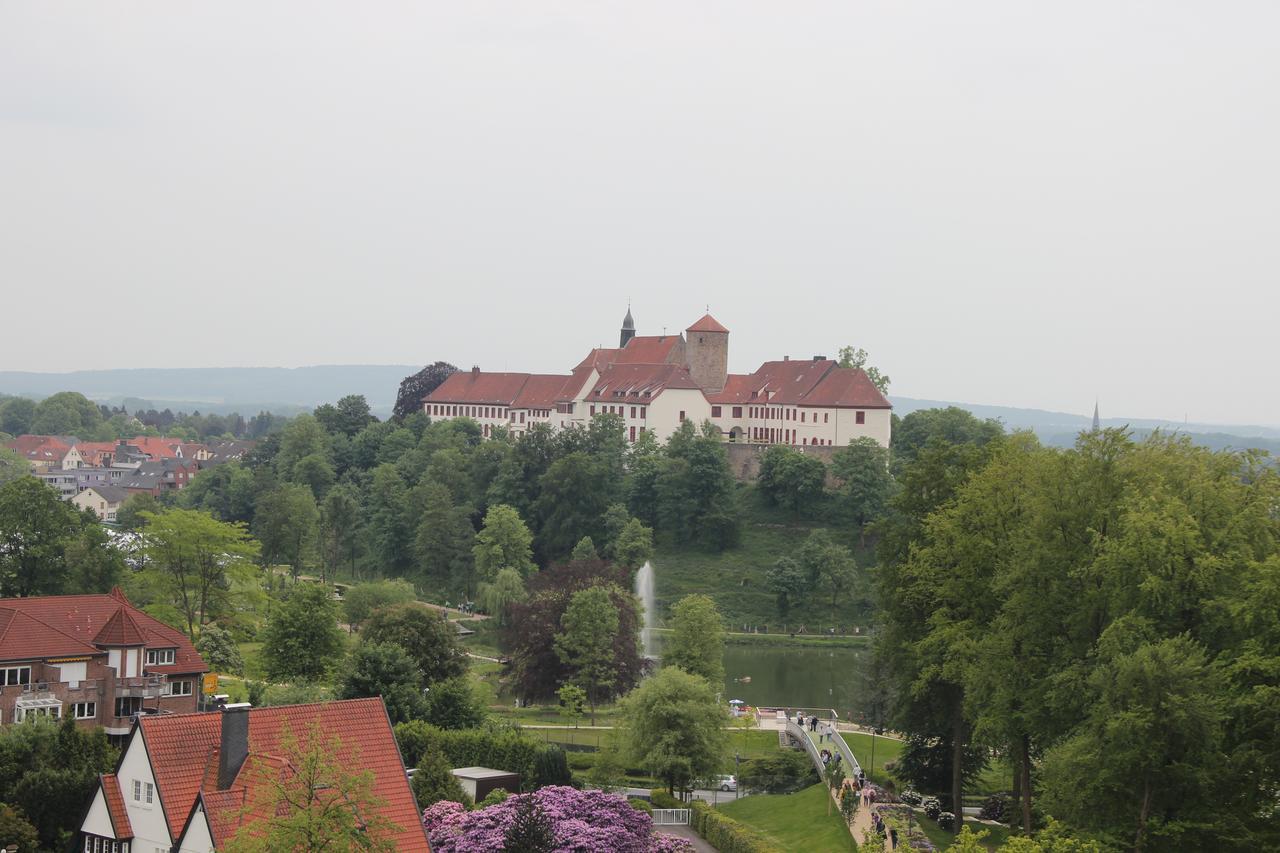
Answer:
(707, 324)
(1097, 422)
(121, 630)
(627, 322)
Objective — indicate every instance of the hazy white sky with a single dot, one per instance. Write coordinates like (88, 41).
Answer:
(1005, 202)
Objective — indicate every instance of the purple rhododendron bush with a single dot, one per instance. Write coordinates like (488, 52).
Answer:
(584, 822)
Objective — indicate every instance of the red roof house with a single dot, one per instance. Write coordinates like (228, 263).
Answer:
(192, 781)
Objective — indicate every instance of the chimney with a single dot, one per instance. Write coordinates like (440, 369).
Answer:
(234, 747)
(475, 370)
(786, 358)
(819, 358)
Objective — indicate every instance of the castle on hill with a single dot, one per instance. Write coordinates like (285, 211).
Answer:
(655, 382)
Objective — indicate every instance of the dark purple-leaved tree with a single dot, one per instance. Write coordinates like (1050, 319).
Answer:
(414, 388)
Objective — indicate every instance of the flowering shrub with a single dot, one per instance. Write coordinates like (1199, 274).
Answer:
(911, 798)
(946, 820)
(583, 821)
(931, 807)
(995, 807)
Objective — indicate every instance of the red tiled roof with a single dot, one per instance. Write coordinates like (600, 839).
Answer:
(60, 625)
(157, 447)
(121, 630)
(39, 448)
(540, 392)
(707, 324)
(651, 349)
(25, 638)
(635, 382)
(93, 451)
(802, 383)
(470, 386)
(845, 387)
(599, 358)
(181, 748)
(115, 806)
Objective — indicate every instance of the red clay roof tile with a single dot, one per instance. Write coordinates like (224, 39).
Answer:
(182, 746)
(652, 349)
(115, 806)
(707, 324)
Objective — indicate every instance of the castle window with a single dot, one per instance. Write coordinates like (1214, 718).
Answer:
(860, 417)
(825, 415)
(682, 417)
(633, 412)
(737, 411)
(633, 434)
(593, 410)
(715, 411)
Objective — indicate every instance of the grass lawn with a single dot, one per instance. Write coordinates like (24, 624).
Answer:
(887, 749)
(252, 654)
(795, 821)
(941, 838)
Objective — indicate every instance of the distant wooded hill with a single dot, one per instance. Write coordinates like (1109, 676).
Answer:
(285, 390)
(221, 389)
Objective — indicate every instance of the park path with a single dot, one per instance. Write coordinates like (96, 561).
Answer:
(686, 832)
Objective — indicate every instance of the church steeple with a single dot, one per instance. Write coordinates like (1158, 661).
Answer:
(1097, 422)
(628, 328)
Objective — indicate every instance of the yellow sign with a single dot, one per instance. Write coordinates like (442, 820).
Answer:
(211, 683)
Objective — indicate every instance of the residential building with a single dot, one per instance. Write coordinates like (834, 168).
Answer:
(655, 382)
(189, 782)
(105, 501)
(96, 658)
(46, 452)
(160, 475)
(65, 482)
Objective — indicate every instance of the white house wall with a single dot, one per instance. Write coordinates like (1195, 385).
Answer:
(149, 828)
(197, 838)
(98, 820)
(664, 411)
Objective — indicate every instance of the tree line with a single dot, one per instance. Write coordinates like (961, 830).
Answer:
(1102, 618)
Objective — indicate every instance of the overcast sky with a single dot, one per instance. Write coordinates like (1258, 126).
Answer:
(1017, 203)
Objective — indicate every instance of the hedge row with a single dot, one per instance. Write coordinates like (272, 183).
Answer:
(726, 834)
(503, 749)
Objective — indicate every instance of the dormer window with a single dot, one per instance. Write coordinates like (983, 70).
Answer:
(160, 657)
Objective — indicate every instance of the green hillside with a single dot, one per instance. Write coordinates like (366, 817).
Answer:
(736, 578)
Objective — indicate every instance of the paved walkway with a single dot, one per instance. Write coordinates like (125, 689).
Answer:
(687, 833)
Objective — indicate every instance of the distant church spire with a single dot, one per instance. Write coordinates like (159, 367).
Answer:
(628, 328)
(1097, 422)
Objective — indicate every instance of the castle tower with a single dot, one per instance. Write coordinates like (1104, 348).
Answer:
(628, 329)
(707, 349)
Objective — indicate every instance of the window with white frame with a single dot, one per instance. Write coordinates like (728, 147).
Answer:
(15, 675)
(84, 710)
(160, 657)
(178, 688)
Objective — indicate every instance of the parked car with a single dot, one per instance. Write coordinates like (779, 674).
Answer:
(725, 783)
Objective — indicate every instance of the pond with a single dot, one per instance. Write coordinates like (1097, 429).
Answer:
(800, 676)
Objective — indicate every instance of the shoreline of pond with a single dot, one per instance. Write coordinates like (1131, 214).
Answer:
(810, 641)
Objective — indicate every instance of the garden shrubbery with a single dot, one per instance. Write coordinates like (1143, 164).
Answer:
(995, 808)
(784, 773)
(726, 834)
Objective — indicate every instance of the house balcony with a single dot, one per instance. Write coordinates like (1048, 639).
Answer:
(143, 686)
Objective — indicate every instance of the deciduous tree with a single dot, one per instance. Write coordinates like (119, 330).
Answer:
(302, 639)
(675, 729)
(199, 557)
(589, 628)
(696, 644)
